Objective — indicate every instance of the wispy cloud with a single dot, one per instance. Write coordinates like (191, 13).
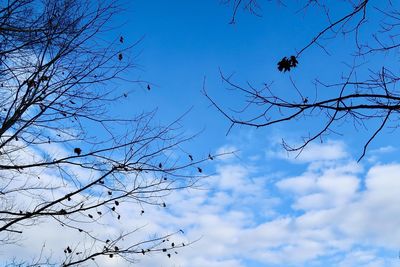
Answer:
(314, 152)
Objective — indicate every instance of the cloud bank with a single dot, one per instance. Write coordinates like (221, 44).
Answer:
(334, 212)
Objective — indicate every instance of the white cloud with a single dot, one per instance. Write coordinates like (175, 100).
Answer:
(312, 153)
(227, 152)
(331, 150)
(299, 185)
(374, 155)
(362, 258)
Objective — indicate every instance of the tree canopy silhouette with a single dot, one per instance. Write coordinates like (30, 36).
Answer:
(65, 157)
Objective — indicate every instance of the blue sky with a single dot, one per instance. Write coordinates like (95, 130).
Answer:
(185, 42)
(260, 206)
(263, 207)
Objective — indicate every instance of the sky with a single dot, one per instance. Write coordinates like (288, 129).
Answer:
(260, 206)
(186, 45)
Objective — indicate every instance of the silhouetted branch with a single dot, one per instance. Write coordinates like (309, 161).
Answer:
(65, 156)
(367, 94)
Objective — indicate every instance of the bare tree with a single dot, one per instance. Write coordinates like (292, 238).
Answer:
(65, 156)
(365, 95)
